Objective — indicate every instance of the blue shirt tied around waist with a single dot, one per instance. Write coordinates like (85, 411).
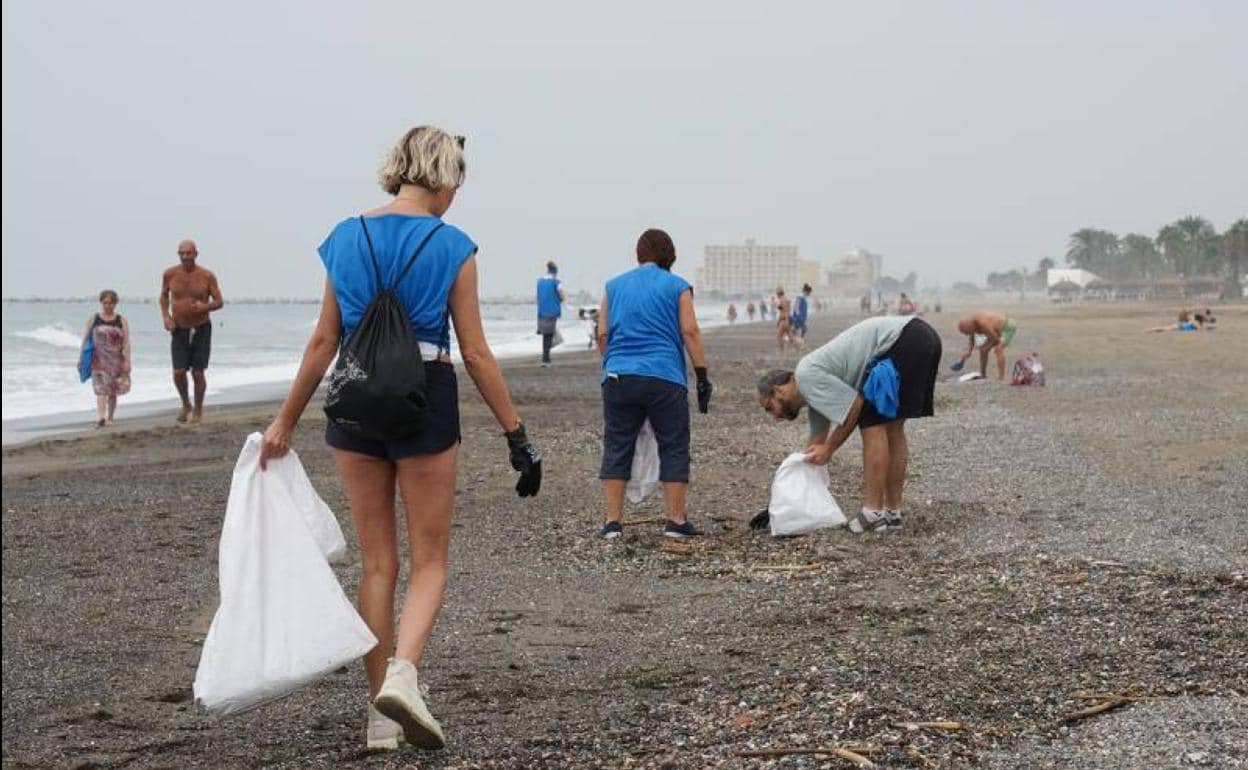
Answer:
(643, 325)
(548, 304)
(883, 387)
(426, 289)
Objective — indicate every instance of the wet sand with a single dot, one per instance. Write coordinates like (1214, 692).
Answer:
(1087, 537)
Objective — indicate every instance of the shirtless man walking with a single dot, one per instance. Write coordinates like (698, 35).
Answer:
(998, 332)
(188, 293)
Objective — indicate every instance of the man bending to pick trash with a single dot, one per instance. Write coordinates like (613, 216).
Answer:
(873, 376)
(996, 332)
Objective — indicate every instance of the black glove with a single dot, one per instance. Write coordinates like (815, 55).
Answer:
(704, 389)
(525, 459)
(761, 520)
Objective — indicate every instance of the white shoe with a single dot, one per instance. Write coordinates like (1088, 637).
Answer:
(383, 732)
(868, 521)
(399, 699)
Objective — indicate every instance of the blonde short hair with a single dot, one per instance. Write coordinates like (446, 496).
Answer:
(425, 156)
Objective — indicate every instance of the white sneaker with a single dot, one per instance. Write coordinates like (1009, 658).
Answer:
(399, 699)
(868, 521)
(383, 732)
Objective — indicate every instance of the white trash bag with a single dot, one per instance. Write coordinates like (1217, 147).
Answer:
(284, 621)
(644, 478)
(800, 500)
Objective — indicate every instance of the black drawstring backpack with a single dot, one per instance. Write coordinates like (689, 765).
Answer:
(377, 388)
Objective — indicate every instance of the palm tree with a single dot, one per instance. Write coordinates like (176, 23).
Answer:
(1140, 255)
(1190, 245)
(1235, 251)
(1094, 250)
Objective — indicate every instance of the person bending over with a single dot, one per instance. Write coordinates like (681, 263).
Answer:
(871, 377)
(998, 332)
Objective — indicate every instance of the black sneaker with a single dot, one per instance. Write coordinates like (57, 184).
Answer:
(611, 530)
(892, 521)
(672, 529)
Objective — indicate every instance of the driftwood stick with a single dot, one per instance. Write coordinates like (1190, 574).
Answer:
(787, 567)
(948, 726)
(1100, 708)
(837, 751)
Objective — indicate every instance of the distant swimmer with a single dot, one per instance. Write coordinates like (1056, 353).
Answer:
(732, 313)
(997, 333)
(749, 310)
(188, 293)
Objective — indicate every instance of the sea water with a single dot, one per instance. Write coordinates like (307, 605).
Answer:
(252, 345)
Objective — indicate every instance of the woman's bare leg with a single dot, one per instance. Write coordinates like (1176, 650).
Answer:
(369, 484)
(427, 483)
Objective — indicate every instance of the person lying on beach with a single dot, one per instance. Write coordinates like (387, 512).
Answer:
(873, 377)
(648, 326)
(998, 332)
(1185, 324)
(362, 256)
(1205, 320)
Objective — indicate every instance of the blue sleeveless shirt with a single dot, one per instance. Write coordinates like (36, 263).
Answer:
(425, 290)
(643, 325)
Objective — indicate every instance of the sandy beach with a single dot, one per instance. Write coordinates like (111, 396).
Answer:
(1063, 545)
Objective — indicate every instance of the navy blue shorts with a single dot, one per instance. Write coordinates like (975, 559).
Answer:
(441, 430)
(628, 400)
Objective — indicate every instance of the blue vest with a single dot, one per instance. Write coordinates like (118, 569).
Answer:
(426, 289)
(548, 304)
(643, 325)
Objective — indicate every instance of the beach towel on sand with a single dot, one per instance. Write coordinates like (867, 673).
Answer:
(283, 621)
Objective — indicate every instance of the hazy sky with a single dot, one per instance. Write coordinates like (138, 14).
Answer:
(954, 137)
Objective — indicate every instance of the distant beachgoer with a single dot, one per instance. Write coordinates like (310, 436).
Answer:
(549, 308)
(109, 333)
(864, 304)
(905, 305)
(783, 308)
(188, 293)
(998, 332)
(423, 172)
(648, 325)
(732, 313)
(749, 310)
(801, 311)
(590, 314)
(873, 376)
(1205, 320)
(1185, 324)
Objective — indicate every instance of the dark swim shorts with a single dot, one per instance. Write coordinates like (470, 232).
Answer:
(916, 355)
(439, 433)
(190, 346)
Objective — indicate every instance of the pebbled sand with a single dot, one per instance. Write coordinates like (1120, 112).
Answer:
(1088, 536)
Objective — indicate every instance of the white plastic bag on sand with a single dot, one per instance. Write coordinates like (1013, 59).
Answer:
(800, 500)
(283, 621)
(644, 478)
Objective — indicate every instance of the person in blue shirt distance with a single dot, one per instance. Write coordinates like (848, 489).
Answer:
(797, 322)
(549, 308)
(646, 326)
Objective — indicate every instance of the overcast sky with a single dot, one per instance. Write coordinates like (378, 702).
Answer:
(953, 137)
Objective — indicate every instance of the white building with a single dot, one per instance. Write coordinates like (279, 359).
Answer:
(749, 269)
(1076, 275)
(855, 273)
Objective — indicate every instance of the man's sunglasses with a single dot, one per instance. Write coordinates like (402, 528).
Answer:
(460, 141)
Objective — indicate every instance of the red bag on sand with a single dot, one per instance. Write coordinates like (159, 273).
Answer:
(1028, 371)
